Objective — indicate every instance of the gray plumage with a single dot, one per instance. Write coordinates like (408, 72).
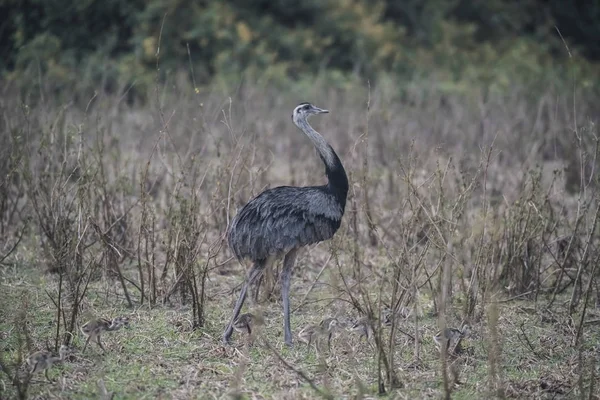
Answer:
(283, 218)
(279, 221)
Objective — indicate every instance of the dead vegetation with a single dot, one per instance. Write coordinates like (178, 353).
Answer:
(463, 209)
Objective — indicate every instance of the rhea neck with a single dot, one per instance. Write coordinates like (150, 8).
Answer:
(334, 170)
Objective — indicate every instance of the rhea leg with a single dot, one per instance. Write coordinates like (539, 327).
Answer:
(254, 273)
(86, 343)
(257, 288)
(100, 343)
(286, 277)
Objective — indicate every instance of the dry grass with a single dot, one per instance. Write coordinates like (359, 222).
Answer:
(462, 208)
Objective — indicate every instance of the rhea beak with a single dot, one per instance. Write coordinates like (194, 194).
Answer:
(318, 110)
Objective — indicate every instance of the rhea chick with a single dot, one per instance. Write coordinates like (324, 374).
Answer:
(452, 338)
(364, 327)
(94, 328)
(328, 326)
(244, 323)
(312, 334)
(309, 334)
(43, 360)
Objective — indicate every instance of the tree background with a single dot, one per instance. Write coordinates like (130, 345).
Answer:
(112, 44)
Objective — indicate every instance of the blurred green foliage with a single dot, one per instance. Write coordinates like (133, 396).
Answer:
(111, 44)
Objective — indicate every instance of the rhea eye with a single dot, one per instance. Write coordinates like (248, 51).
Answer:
(305, 107)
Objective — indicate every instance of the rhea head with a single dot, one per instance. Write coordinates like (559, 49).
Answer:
(305, 110)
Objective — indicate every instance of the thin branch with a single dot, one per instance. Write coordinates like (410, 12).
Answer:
(300, 373)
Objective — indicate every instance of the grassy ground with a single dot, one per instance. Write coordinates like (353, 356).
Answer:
(160, 356)
(462, 208)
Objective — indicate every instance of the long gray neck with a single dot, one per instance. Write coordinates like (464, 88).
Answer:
(336, 175)
(325, 150)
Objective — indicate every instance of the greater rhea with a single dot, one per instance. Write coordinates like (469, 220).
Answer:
(44, 359)
(279, 221)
